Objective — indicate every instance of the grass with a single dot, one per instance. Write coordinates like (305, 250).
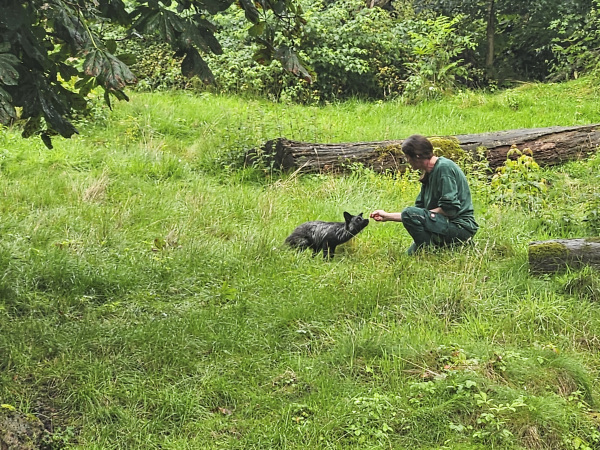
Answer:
(146, 300)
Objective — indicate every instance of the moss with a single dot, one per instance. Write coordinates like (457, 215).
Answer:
(548, 250)
(449, 147)
(593, 240)
(392, 149)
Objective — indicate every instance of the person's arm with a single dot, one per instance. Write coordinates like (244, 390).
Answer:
(438, 210)
(381, 216)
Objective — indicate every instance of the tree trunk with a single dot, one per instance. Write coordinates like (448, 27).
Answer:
(558, 254)
(550, 146)
(491, 32)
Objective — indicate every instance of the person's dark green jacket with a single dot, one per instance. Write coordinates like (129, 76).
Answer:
(446, 187)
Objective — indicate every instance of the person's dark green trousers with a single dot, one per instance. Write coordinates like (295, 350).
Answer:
(427, 228)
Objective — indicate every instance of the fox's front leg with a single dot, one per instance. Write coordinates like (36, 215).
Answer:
(328, 251)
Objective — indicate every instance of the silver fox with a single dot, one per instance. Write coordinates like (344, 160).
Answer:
(326, 236)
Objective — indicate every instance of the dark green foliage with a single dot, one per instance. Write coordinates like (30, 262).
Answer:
(354, 51)
(576, 48)
(46, 44)
(523, 31)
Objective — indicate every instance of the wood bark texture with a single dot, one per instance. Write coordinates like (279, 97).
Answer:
(558, 254)
(550, 146)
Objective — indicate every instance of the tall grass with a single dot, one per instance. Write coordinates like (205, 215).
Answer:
(146, 300)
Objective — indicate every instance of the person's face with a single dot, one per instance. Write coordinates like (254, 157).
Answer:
(415, 163)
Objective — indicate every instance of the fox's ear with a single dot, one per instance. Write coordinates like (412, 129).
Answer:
(347, 216)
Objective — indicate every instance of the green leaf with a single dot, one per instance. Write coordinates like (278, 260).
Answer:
(206, 29)
(127, 58)
(191, 36)
(7, 110)
(33, 48)
(47, 140)
(114, 9)
(263, 56)
(290, 62)
(257, 29)
(170, 25)
(148, 20)
(70, 28)
(54, 117)
(111, 73)
(8, 69)
(14, 15)
(111, 45)
(214, 6)
(183, 5)
(67, 72)
(107, 98)
(193, 64)
(32, 126)
(94, 62)
(279, 7)
(250, 10)
(200, 32)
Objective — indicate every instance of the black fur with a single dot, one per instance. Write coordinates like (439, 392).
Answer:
(326, 236)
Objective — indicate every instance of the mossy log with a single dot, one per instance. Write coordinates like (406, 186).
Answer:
(550, 146)
(558, 254)
(19, 431)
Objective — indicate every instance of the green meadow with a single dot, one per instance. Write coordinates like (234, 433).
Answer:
(147, 300)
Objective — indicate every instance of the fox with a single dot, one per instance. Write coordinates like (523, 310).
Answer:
(326, 236)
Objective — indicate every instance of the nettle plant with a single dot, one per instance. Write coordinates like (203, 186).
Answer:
(520, 181)
(435, 64)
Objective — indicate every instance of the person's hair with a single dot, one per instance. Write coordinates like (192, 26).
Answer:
(417, 146)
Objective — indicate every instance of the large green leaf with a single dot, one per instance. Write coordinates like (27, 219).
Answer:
(70, 27)
(9, 74)
(192, 36)
(257, 29)
(290, 62)
(33, 48)
(13, 15)
(94, 62)
(7, 110)
(147, 20)
(207, 30)
(114, 9)
(167, 24)
(250, 10)
(56, 120)
(263, 56)
(170, 26)
(110, 72)
(193, 64)
(213, 6)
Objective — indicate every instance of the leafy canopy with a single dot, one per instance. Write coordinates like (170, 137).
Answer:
(53, 52)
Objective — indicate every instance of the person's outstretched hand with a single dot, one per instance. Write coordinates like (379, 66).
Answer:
(378, 215)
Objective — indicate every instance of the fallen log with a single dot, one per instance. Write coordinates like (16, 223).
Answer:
(558, 254)
(550, 146)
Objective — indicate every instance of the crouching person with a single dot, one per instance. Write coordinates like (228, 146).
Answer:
(443, 211)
